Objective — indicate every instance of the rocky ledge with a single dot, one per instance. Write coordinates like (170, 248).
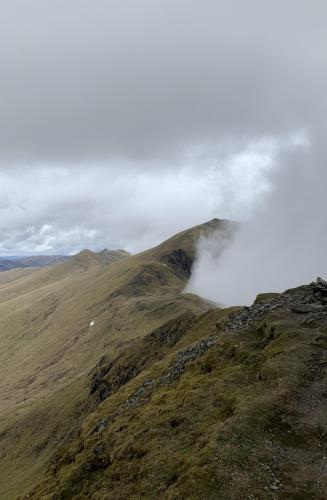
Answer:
(309, 300)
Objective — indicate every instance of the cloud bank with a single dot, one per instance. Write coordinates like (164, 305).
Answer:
(84, 81)
(62, 209)
(282, 245)
(124, 122)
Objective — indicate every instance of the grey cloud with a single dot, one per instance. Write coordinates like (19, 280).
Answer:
(123, 122)
(63, 210)
(88, 80)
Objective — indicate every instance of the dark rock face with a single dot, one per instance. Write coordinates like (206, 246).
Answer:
(102, 385)
(100, 371)
(180, 262)
(172, 331)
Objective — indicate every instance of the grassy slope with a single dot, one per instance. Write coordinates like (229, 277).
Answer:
(244, 418)
(48, 347)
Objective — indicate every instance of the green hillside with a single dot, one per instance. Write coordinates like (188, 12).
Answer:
(114, 384)
(232, 405)
(56, 323)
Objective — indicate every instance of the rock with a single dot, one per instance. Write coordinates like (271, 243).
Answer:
(306, 308)
(101, 425)
(169, 333)
(180, 262)
(320, 288)
(308, 299)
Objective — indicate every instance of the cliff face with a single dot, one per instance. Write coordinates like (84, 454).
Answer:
(230, 404)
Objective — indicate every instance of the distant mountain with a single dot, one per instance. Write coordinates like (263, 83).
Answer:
(31, 261)
(105, 256)
(86, 258)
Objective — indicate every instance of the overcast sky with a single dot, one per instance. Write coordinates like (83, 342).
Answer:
(122, 122)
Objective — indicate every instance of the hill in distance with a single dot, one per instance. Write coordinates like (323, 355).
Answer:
(36, 261)
(115, 384)
(6, 264)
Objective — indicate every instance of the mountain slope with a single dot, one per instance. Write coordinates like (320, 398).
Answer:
(55, 325)
(231, 405)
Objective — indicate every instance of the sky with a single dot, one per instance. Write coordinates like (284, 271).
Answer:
(122, 123)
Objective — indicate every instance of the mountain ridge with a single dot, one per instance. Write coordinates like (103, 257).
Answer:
(49, 345)
(237, 413)
(116, 384)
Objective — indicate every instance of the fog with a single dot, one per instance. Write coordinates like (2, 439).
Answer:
(284, 243)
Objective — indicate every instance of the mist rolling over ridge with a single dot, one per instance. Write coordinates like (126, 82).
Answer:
(282, 245)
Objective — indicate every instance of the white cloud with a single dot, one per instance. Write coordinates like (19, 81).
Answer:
(60, 209)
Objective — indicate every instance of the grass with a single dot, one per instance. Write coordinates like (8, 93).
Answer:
(237, 422)
(219, 431)
(48, 347)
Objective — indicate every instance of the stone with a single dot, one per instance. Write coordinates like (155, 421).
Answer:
(306, 308)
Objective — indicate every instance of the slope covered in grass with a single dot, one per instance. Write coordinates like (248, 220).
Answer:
(57, 323)
(231, 405)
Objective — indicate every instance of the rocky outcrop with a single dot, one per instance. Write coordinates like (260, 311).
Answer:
(169, 333)
(180, 262)
(102, 384)
(309, 300)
